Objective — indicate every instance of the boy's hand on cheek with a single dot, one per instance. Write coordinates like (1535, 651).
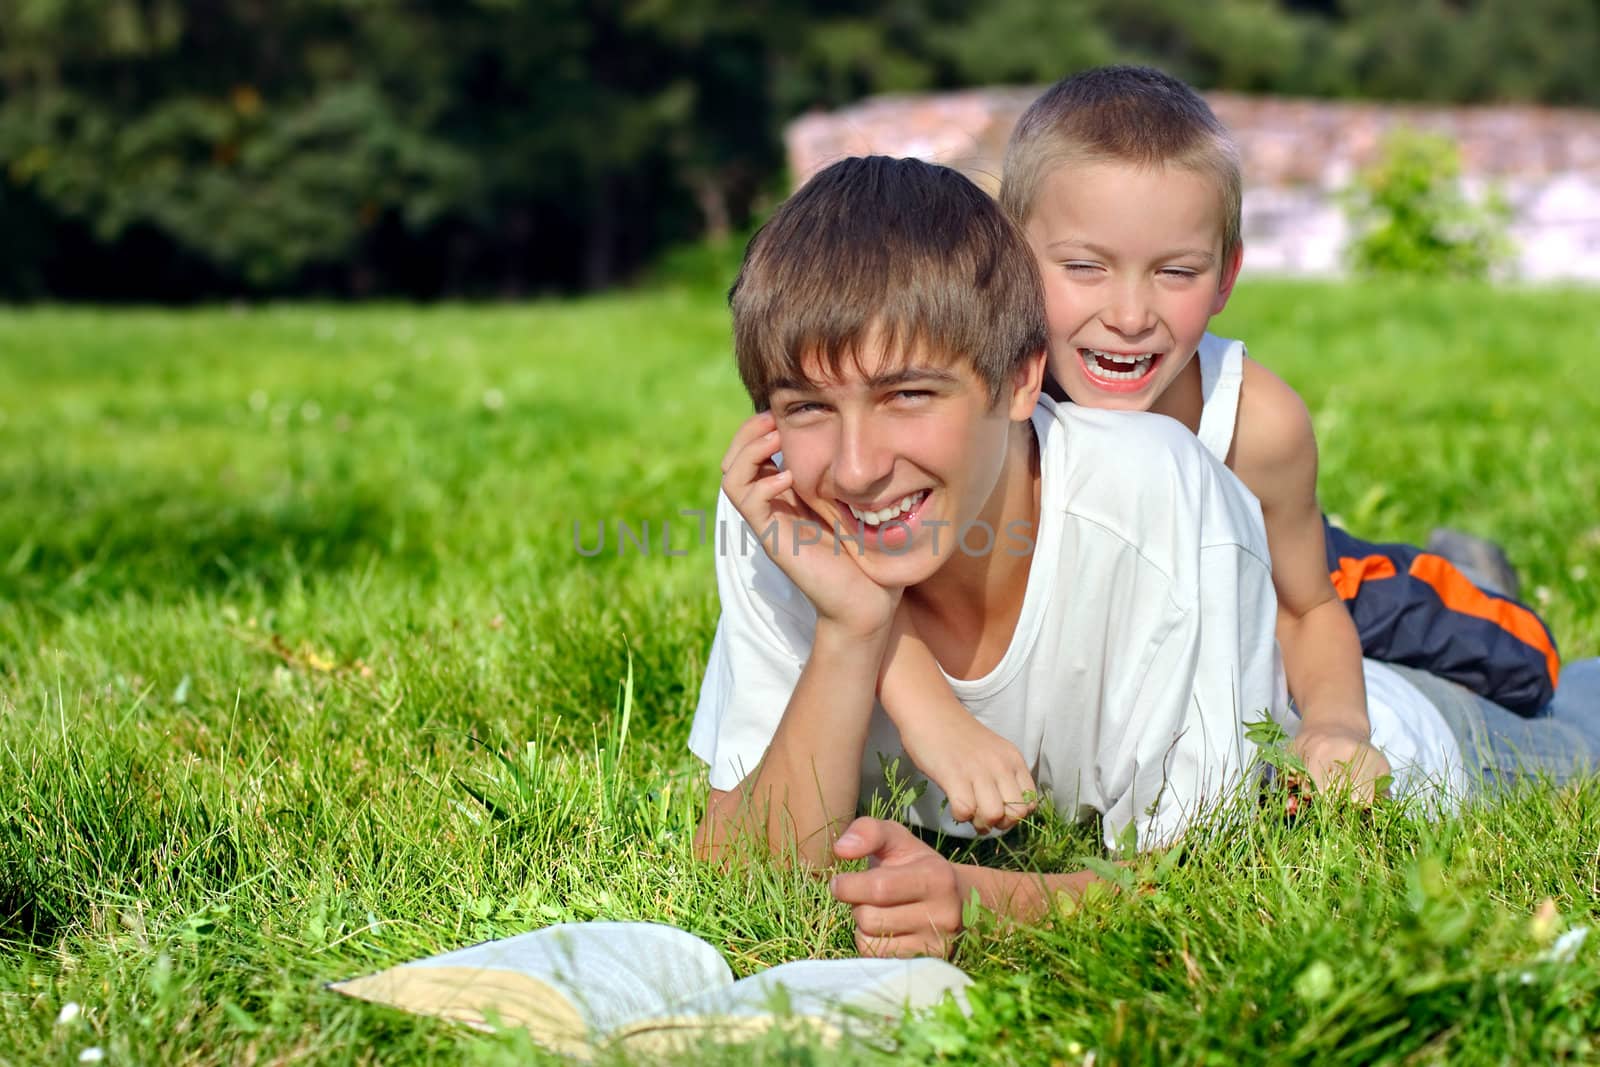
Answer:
(908, 901)
(1340, 760)
(795, 538)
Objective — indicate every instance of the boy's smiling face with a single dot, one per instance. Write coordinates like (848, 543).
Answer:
(893, 446)
(1132, 265)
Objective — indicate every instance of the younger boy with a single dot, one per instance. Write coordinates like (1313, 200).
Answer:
(1114, 623)
(1128, 190)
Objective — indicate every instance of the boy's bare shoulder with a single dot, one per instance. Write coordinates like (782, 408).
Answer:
(1275, 445)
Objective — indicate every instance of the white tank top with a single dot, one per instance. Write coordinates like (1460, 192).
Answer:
(1221, 371)
(1411, 733)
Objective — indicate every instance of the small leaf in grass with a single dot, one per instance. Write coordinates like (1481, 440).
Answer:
(160, 979)
(1315, 982)
(1113, 873)
(1168, 863)
(971, 908)
(240, 1018)
(1264, 732)
(1128, 839)
(317, 661)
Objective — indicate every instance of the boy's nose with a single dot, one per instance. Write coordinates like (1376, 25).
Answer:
(862, 463)
(1128, 312)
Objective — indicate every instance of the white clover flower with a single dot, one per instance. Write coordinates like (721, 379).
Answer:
(69, 1013)
(1566, 947)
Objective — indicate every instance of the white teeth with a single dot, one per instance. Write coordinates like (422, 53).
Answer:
(1097, 363)
(1115, 357)
(883, 515)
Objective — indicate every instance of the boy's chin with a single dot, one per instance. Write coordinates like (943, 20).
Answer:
(901, 570)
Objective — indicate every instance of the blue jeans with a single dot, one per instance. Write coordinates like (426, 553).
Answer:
(1561, 743)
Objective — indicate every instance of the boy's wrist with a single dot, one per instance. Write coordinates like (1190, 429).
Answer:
(1335, 719)
(1019, 895)
(850, 651)
(865, 630)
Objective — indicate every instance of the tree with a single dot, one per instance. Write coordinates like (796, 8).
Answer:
(181, 148)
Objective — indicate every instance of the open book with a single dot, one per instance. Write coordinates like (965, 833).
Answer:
(651, 989)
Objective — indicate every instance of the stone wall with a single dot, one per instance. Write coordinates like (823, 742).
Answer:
(1298, 156)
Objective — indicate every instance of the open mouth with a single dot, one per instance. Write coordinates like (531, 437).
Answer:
(1119, 372)
(889, 526)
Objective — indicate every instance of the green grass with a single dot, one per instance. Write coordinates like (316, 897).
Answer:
(300, 676)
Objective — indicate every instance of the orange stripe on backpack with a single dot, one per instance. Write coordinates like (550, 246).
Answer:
(1352, 572)
(1459, 594)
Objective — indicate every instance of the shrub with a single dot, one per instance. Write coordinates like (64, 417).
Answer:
(1411, 216)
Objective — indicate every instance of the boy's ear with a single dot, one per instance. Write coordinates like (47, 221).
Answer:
(1230, 276)
(1025, 387)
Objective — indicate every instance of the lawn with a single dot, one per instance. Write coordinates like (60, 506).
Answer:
(302, 674)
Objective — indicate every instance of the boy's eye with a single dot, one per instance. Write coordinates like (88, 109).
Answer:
(912, 395)
(801, 407)
(1179, 272)
(1081, 268)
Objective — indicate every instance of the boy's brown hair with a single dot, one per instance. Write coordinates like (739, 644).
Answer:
(893, 253)
(1133, 115)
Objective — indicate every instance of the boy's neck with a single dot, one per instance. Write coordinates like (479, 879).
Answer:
(1184, 397)
(968, 610)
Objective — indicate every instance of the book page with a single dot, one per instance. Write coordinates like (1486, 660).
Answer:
(824, 988)
(860, 997)
(567, 985)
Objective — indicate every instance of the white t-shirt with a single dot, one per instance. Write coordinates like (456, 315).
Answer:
(1144, 644)
(1422, 752)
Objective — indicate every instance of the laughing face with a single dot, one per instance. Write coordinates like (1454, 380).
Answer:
(1131, 259)
(901, 453)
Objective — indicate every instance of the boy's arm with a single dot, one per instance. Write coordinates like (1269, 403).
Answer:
(807, 786)
(909, 901)
(807, 782)
(1277, 459)
(981, 773)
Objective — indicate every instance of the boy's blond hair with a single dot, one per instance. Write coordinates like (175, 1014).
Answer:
(1132, 115)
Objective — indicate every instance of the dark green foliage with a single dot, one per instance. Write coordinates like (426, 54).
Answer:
(160, 149)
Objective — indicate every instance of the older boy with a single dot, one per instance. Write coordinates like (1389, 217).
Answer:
(1111, 620)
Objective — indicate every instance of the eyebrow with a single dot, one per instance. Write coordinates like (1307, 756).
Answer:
(877, 381)
(913, 374)
(1105, 253)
